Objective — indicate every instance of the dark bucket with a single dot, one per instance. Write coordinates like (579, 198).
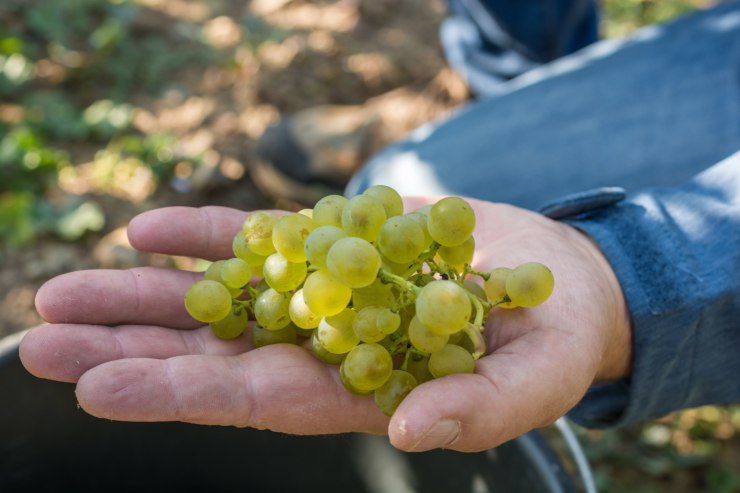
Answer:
(47, 444)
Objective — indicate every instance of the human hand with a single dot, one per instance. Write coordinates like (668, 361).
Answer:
(136, 355)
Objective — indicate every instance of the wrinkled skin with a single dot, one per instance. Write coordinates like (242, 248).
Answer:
(125, 338)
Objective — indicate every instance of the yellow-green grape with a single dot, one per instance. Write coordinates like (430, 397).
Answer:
(324, 294)
(232, 326)
(328, 211)
(354, 262)
(208, 301)
(443, 307)
(367, 367)
(271, 309)
(530, 284)
(449, 360)
(425, 209)
(495, 287)
(368, 324)
(213, 273)
(362, 217)
(290, 233)
(319, 242)
(421, 220)
(391, 200)
(459, 255)
(475, 289)
(335, 332)
(236, 273)
(262, 337)
(451, 221)
(283, 275)
(424, 339)
(396, 268)
(242, 251)
(322, 354)
(257, 231)
(376, 294)
(400, 239)
(418, 366)
(390, 395)
(300, 313)
(387, 320)
(348, 384)
(306, 212)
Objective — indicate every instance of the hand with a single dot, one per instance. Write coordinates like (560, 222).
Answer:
(136, 355)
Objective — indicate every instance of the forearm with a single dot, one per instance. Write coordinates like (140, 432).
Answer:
(676, 253)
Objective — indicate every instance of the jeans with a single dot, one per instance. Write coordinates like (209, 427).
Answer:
(635, 142)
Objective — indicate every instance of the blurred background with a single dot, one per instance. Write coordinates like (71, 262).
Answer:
(112, 107)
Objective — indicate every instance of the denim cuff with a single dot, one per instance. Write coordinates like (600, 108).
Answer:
(675, 253)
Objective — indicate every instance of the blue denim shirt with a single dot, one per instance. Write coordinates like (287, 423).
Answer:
(676, 253)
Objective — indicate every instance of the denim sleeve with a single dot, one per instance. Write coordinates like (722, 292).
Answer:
(676, 253)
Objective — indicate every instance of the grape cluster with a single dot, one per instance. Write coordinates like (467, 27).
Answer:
(386, 295)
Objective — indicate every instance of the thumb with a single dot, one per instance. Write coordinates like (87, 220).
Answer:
(526, 384)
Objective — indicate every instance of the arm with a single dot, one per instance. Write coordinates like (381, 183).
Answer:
(676, 253)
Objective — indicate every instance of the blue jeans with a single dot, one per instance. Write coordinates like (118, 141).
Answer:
(633, 141)
(653, 109)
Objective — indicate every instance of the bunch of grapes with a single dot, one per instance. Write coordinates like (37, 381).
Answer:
(386, 295)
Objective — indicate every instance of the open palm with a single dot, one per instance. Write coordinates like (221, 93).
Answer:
(125, 338)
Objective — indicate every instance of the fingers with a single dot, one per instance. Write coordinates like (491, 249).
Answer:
(280, 387)
(147, 296)
(524, 385)
(64, 352)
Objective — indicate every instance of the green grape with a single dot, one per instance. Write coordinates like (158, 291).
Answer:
(335, 332)
(443, 307)
(390, 395)
(367, 367)
(283, 275)
(348, 384)
(262, 337)
(530, 284)
(290, 233)
(451, 221)
(319, 242)
(324, 294)
(387, 320)
(354, 262)
(401, 270)
(242, 251)
(271, 309)
(495, 286)
(388, 197)
(362, 217)
(449, 360)
(328, 211)
(459, 255)
(421, 220)
(301, 314)
(306, 212)
(366, 325)
(475, 288)
(418, 366)
(425, 209)
(232, 326)
(236, 273)
(213, 273)
(322, 354)
(376, 294)
(424, 339)
(208, 301)
(305, 333)
(400, 239)
(257, 231)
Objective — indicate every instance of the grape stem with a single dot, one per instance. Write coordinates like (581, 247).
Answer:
(410, 352)
(481, 308)
(399, 281)
(476, 337)
(470, 270)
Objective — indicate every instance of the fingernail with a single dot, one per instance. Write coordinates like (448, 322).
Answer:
(441, 435)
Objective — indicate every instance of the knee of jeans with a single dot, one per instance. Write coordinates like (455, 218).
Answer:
(400, 167)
